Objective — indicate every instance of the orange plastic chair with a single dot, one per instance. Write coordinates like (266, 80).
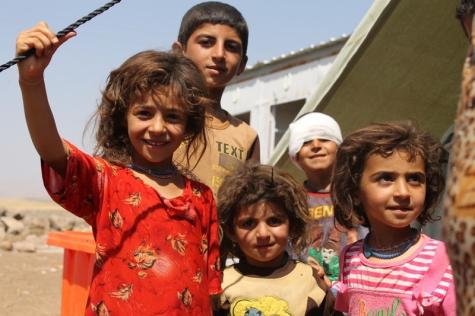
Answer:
(78, 264)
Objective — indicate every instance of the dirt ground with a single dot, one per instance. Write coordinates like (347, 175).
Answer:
(30, 283)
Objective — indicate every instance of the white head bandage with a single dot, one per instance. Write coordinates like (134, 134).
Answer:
(312, 126)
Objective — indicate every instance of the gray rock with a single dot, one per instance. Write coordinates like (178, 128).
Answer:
(2, 231)
(26, 228)
(34, 239)
(24, 246)
(13, 226)
(37, 225)
(6, 245)
(41, 244)
(61, 223)
(18, 216)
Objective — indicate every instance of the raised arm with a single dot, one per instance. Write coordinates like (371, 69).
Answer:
(39, 118)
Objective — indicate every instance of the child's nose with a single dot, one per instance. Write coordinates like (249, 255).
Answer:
(316, 144)
(402, 189)
(262, 231)
(158, 125)
(218, 50)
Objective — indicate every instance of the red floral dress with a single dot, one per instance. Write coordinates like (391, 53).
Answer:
(154, 256)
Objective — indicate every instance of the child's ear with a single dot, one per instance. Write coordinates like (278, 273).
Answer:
(177, 47)
(242, 65)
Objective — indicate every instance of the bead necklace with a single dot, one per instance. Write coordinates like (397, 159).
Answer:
(166, 173)
(393, 251)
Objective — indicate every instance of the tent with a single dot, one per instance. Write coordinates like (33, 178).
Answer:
(403, 61)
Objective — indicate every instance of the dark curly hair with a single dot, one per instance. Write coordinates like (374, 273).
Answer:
(383, 139)
(149, 74)
(254, 183)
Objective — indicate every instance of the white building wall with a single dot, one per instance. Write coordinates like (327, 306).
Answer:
(259, 94)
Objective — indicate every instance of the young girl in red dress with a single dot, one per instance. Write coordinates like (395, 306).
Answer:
(155, 229)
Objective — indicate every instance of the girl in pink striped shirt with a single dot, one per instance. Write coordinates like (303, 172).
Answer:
(387, 177)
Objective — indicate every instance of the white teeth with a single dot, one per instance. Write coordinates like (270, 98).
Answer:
(268, 245)
(152, 143)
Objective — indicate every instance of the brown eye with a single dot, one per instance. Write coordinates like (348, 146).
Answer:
(206, 42)
(247, 223)
(416, 179)
(385, 178)
(233, 46)
(174, 117)
(143, 114)
(275, 221)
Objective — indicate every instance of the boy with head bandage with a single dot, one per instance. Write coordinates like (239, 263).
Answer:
(313, 143)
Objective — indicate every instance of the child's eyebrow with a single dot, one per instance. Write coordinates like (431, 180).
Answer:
(393, 173)
(160, 106)
(148, 107)
(171, 108)
(140, 106)
(383, 172)
(242, 220)
(417, 173)
(376, 175)
(208, 35)
(143, 104)
(244, 217)
(201, 35)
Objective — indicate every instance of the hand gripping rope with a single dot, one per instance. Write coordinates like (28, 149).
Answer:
(61, 33)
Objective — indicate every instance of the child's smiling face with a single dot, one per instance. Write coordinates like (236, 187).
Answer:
(317, 155)
(392, 191)
(155, 130)
(261, 231)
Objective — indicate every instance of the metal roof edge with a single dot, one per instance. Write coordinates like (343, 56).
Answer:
(291, 59)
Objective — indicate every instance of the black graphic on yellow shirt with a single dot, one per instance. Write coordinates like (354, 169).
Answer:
(263, 306)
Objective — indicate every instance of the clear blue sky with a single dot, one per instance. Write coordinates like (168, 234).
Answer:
(79, 69)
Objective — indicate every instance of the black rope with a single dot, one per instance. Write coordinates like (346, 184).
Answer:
(61, 33)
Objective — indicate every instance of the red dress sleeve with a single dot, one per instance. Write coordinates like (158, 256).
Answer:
(80, 190)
